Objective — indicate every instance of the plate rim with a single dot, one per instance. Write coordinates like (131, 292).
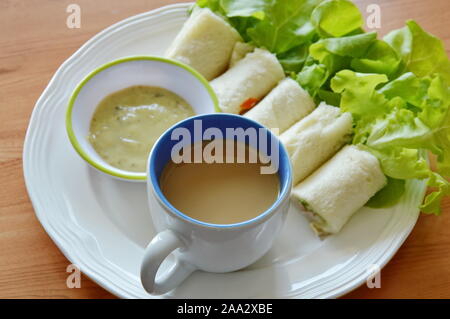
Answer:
(73, 256)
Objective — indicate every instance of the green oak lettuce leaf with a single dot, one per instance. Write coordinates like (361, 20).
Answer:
(421, 53)
(328, 56)
(236, 8)
(425, 125)
(359, 97)
(286, 24)
(379, 58)
(432, 202)
(312, 77)
(401, 162)
(354, 46)
(335, 54)
(294, 59)
(247, 8)
(362, 53)
(332, 62)
(388, 195)
(429, 97)
(409, 87)
(358, 94)
(437, 115)
(213, 5)
(242, 24)
(400, 127)
(435, 105)
(329, 97)
(336, 18)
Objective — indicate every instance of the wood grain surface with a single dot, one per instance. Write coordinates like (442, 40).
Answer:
(35, 41)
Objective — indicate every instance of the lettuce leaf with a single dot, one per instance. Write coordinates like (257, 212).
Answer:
(432, 202)
(421, 121)
(400, 127)
(401, 162)
(379, 58)
(329, 97)
(422, 53)
(326, 57)
(214, 5)
(388, 195)
(248, 8)
(351, 46)
(359, 95)
(336, 18)
(294, 59)
(285, 26)
(409, 87)
(312, 77)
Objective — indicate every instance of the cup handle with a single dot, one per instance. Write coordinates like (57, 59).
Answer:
(161, 246)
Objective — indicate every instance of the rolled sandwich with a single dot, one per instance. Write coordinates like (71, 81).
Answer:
(249, 80)
(315, 139)
(205, 43)
(285, 105)
(334, 192)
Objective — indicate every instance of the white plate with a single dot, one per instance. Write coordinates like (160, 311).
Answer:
(103, 225)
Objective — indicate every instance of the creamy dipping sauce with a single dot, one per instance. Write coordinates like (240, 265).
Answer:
(128, 122)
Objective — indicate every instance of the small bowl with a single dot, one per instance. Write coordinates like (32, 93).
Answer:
(120, 74)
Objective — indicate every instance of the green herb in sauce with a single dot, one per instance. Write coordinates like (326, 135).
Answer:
(128, 122)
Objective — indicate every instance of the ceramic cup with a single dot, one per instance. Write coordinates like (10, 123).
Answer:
(194, 244)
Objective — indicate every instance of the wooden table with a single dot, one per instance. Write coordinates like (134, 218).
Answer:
(34, 41)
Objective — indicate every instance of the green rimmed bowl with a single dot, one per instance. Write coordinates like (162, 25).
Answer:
(119, 74)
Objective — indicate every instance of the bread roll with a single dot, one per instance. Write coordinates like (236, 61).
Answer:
(205, 43)
(315, 139)
(339, 188)
(285, 105)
